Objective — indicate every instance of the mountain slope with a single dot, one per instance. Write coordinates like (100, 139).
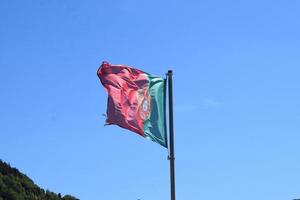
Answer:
(17, 186)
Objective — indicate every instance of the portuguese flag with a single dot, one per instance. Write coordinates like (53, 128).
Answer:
(136, 101)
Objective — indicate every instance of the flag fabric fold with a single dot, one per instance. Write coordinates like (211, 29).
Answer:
(136, 101)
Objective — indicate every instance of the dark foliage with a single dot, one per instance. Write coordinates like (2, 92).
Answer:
(17, 186)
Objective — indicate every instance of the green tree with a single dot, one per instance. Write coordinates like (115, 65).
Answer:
(16, 186)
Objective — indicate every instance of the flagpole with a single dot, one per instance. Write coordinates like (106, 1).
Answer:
(171, 134)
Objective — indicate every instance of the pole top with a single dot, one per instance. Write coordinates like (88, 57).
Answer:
(170, 72)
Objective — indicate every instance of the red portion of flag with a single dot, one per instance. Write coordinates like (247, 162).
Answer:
(127, 89)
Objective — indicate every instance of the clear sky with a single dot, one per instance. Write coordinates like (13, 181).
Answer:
(236, 96)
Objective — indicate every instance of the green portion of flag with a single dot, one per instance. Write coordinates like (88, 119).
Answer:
(155, 125)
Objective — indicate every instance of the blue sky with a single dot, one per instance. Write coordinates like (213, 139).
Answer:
(236, 96)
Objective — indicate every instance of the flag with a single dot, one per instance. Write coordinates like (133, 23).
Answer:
(136, 101)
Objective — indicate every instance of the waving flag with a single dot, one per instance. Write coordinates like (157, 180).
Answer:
(136, 101)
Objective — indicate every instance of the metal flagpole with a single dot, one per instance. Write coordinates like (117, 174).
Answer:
(171, 134)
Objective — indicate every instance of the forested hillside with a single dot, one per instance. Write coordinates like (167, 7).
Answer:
(17, 186)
